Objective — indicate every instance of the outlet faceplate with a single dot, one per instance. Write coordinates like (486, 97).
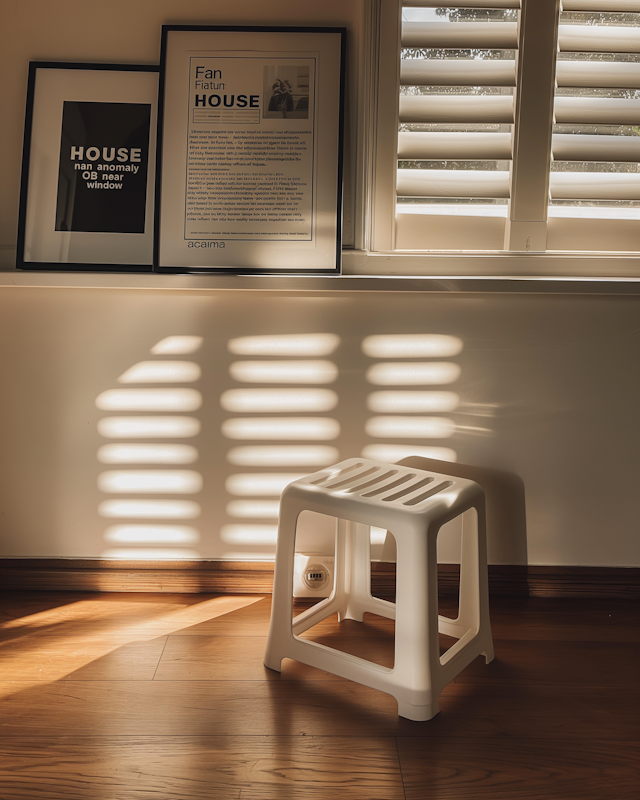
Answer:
(312, 575)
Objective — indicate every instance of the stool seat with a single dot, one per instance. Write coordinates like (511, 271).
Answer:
(413, 505)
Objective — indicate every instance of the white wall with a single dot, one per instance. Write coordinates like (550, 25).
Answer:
(548, 385)
(548, 388)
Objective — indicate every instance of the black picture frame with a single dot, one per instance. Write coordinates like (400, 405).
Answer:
(74, 219)
(297, 230)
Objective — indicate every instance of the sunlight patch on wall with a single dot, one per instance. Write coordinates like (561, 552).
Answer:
(278, 400)
(260, 484)
(151, 481)
(415, 345)
(412, 402)
(249, 534)
(151, 534)
(480, 409)
(150, 554)
(149, 509)
(283, 371)
(254, 509)
(281, 428)
(410, 427)
(149, 400)
(177, 346)
(314, 344)
(423, 373)
(283, 456)
(162, 372)
(149, 427)
(394, 452)
(147, 454)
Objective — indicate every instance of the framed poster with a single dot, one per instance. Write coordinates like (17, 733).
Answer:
(88, 171)
(250, 150)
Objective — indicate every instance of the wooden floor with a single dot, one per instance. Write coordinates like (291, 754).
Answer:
(165, 697)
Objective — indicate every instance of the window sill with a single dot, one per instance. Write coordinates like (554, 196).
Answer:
(373, 281)
(496, 265)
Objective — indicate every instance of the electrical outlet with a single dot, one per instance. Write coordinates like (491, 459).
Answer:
(312, 575)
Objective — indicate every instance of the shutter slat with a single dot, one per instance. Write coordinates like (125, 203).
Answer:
(436, 146)
(458, 108)
(594, 185)
(467, 4)
(585, 147)
(610, 6)
(457, 72)
(596, 111)
(598, 39)
(598, 74)
(452, 183)
(460, 35)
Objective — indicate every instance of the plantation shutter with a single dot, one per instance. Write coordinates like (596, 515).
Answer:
(595, 178)
(515, 126)
(456, 110)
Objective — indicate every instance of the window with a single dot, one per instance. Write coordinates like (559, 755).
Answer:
(508, 126)
(595, 179)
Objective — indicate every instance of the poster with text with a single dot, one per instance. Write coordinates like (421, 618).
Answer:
(251, 144)
(88, 176)
(104, 157)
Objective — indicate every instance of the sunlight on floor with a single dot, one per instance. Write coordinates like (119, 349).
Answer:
(97, 628)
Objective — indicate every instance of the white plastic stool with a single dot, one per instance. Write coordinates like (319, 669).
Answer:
(412, 504)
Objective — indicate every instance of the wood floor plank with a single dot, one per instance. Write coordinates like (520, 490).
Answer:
(88, 657)
(179, 615)
(197, 768)
(306, 708)
(533, 618)
(608, 620)
(248, 620)
(379, 649)
(254, 621)
(565, 663)
(532, 711)
(512, 769)
(372, 626)
(221, 708)
(78, 614)
(93, 606)
(570, 619)
(549, 619)
(232, 658)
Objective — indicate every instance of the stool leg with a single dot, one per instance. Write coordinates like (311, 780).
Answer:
(357, 568)
(474, 585)
(280, 627)
(341, 566)
(417, 647)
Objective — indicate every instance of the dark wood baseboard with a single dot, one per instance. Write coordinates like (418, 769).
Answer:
(256, 577)
(550, 581)
(101, 575)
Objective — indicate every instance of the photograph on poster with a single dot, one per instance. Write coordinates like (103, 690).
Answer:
(286, 91)
(88, 169)
(250, 173)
